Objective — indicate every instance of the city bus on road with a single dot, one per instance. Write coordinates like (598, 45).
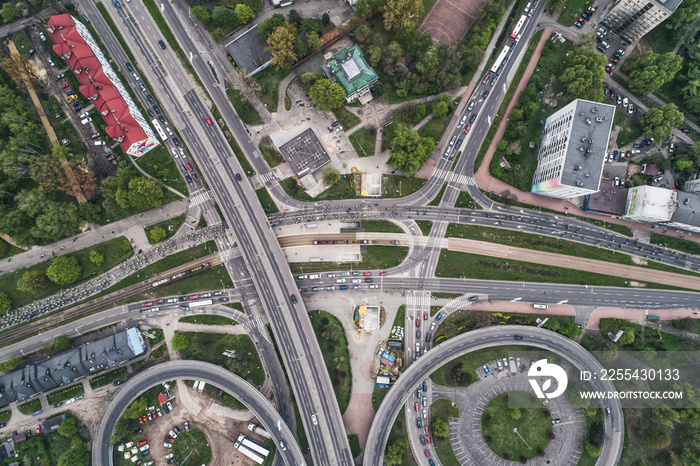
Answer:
(500, 58)
(159, 130)
(203, 302)
(518, 26)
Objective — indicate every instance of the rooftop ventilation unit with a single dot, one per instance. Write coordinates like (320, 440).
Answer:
(594, 110)
(589, 121)
(599, 120)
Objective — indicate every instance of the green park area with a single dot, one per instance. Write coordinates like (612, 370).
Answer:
(108, 378)
(440, 413)
(207, 319)
(534, 425)
(334, 347)
(164, 230)
(64, 447)
(193, 445)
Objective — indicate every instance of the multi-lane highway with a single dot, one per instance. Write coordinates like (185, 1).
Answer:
(403, 389)
(102, 452)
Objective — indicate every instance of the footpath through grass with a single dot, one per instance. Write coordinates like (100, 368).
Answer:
(376, 257)
(334, 347)
(115, 251)
(363, 142)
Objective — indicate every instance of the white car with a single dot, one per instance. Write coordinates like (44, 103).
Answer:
(167, 445)
(144, 447)
(129, 445)
(175, 154)
(338, 129)
(168, 130)
(172, 433)
(100, 143)
(85, 121)
(168, 456)
(136, 76)
(314, 419)
(84, 115)
(340, 280)
(42, 37)
(625, 102)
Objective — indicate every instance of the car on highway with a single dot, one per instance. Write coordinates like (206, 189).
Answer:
(189, 168)
(432, 326)
(485, 94)
(471, 105)
(417, 406)
(314, 419)
(419, 422)
(208, 120)
(422, 440)
(427, 453)
(440, 315)
(368, 280)
(160, 301)
(238, 177)
(382, 274)
(293, 298)
(425, 315)
(486, 79)
(426, 428)
(418, 333)
(417, 322)
(367, 274)
(148, 304)
(427, 439)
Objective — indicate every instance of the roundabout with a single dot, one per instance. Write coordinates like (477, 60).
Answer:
(503, 335)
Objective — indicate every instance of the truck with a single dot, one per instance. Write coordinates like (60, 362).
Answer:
(196, 384)
(259, 430)
(654, 318)
(253, 445)
(202, 384)
(249, 453)
(200, 303)
(511, 365)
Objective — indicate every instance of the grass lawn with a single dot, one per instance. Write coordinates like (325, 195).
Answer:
(380, 226)
(378, 395)
(687, 324)
(354, 441)
(209, 347)
(170, 226)
(399, 186)
(363, 142)
(630, 129)
(377, 257)
(246, 112)
(5, 416)
(159, 336)
(158, 352)
(425, 226)
(270, 152)
(438, 198)
(334, 347)
(160, 165)
(444, 409)
(436, 127)
(534, 426)
(66, 393)
(207, 319)
(108, 378)
(678, 244)
(22, 42)
(465, 265)
(570, 12)
(465, 200)
(226, 399)
(346, 118)
(30, 406)
(545, 243)
(269, 81)
(399, 431)
(265, 199)
(343, 189)
(115, 251)
(194, 445)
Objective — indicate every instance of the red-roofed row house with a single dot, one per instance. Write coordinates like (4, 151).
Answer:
(99, 83)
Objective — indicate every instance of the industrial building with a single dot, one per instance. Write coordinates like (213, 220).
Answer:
(572, 152)
(632, 19)
(99, 83)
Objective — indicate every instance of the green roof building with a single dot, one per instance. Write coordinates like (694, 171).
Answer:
(350, 69)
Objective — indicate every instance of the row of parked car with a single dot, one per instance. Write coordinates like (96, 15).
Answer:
(585, 16)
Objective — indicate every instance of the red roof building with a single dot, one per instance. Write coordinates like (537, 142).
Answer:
(162, 398)
(99, 83)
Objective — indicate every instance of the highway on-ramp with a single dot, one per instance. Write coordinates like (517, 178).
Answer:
(487, 338)
(211, 374)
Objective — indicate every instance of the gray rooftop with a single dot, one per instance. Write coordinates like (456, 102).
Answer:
(66, 368)
(249, 51)
(687, 209)
(52, 424)
(590, 131)
(305, 154)
(670, 5)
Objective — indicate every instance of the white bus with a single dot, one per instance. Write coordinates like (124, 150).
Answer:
(518, 26)
(500, 58)
(200, 303)
(159, 130)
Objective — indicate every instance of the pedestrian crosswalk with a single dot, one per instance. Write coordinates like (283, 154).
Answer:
(255, 322)
(417, 301)
(199, 198)
(465, 180)
(269, 176)
(440, 174)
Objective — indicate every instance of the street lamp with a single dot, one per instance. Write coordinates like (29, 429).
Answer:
(515, 429)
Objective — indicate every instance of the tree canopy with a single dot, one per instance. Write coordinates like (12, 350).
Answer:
(180, 342)
(97, 258)
(5, 303)
(584, 73)
(660, 121)
(410, 151)
(401, 16)
(64, 270)
(331, 175)
(157, 234)
(651, 71)
(32, 281)
(281, 45)
(327, 95)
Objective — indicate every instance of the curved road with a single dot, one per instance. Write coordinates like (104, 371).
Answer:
(196, 370)
(486, 338)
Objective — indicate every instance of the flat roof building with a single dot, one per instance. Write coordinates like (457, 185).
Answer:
(99, 83)
(687, 213)
(572, 152)
(249, 52)
(305, 154)
(650, 204)
(692, 185)
(350, 69)
(632, 19)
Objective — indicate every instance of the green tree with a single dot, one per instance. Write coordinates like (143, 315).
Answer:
(308, 79)
(68, 428)
(327, 95)
(651, 70)
(32, 281)
(281, 46)
(46, 171)
(440, 428)
(97, 258)
(660, 121)
(136, 409)
(64, 270)
(5, 303)
(325, 20)
(201, 13)
(410, 151)
(314, 41)
(12, 362)
(515, 413)
(222, 16)
(294, 17)
(401, 16)
(269, 25)
(592, 451)
(158, 234)
(10, 12)
(243, 13)
(77, 455)
(440, 109)
(91, 213)
(180, 342)
(653, 435)
(362, 32)
(331, 175)
(219, 34)
(684, 14)
(61, 343)
(395, 452)
(584, 73)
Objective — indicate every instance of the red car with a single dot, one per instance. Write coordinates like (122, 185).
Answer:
(65, 85)
(143, 420)
(367, 274)
(582, 21)
(160, 301)
(628, 153)
(613, 59)
(417, 322)
(38, 429)
(427, 454)
(466, 130)
(426, 429)
(189, 167)
(486, 79)
(155, 416)
(608, 69)
(142, 443)
(382, 274)
(208, 121)
(148, 304)
(417, 405)
(427, 438)
(425, 315)
(194, 296)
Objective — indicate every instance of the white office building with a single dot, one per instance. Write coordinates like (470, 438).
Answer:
(650, 204)
(572, 152)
